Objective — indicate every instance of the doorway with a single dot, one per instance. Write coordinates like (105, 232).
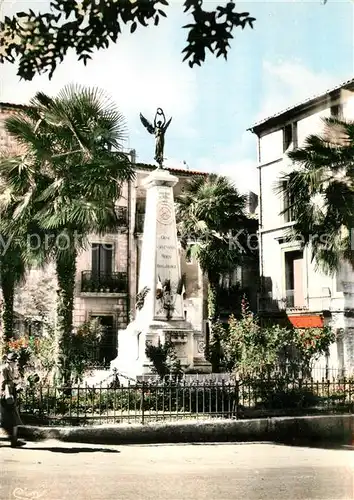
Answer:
(107, 349)
(294, 278)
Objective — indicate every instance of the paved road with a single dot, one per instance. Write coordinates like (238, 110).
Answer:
(66, 471)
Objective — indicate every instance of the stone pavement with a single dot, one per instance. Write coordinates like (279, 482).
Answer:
(54, 470)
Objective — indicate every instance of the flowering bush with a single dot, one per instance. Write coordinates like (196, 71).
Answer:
(23, 348)
(34, 354)
(314, 342)
(249, 348)
(84, 340)
(37, 355)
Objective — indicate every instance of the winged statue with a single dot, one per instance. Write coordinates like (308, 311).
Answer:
(158, 129)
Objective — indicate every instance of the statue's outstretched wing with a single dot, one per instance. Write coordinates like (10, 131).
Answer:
(147, 124)
(167, 124)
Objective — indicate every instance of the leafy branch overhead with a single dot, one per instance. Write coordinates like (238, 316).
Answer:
(41, 40)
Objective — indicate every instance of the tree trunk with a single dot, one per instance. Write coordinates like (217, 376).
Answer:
(213, 354)
(66, 275)
(8, 292)
(213, 306)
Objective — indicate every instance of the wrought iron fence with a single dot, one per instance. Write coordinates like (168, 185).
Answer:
(147, 402)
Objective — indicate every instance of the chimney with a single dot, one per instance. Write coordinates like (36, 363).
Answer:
(132, 153)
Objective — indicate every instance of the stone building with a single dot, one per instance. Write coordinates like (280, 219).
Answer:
(107, 269)
(290, 282)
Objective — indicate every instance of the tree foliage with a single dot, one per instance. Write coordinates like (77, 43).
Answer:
(66, 184)
(164, 360)
(215, 228)
(322, 191)
(84, 341)
(16, 256)
(250, 349)
(36, 354)
(41, 41)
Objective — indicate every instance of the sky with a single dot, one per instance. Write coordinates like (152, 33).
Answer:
(297, 48)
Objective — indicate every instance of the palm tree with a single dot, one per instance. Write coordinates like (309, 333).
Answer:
(210, 213)
(321, 189)
(67, 182)
(12, 273)
(15, 257)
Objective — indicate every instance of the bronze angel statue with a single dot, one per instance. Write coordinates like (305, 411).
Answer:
(158, 129)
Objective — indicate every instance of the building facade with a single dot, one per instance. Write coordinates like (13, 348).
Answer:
(108, 269)
(290, 282)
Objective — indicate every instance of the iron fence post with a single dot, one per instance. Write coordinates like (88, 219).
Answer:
(237, 394)
(142, 402)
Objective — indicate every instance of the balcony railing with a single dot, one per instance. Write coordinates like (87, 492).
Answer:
(269, 304)
(290, 298)
(104, 283)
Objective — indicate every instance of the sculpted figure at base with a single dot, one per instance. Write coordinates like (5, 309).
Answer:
(158, 129)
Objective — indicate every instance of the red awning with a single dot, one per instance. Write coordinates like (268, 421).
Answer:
(306, 321)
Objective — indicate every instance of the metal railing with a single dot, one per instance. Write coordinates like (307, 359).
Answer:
(103, 282)
(149, 402)
(290, 298)
(267, 303)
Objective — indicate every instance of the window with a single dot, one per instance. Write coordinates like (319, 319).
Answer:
(289, 136)
(340, 349)
(122, 216)
(107, 348)
(140, 214)
(102, 259)
(294, 278)
(336, 110)
(344, 274)
(140, 205)
(288, 201)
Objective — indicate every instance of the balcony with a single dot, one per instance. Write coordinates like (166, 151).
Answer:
(290, 299)
(103, 282)
(268, 304)
(288, 303)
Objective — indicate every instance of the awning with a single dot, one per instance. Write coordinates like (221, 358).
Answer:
(306, 321)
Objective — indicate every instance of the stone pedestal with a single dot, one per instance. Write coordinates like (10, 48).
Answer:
(160, 316)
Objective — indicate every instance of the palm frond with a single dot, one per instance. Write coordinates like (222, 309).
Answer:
(322, 191)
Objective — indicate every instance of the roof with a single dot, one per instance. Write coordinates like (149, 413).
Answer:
(177, 171)
(306, 103)
(11, 105)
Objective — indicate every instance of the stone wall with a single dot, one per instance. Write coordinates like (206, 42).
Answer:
(101, 305)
